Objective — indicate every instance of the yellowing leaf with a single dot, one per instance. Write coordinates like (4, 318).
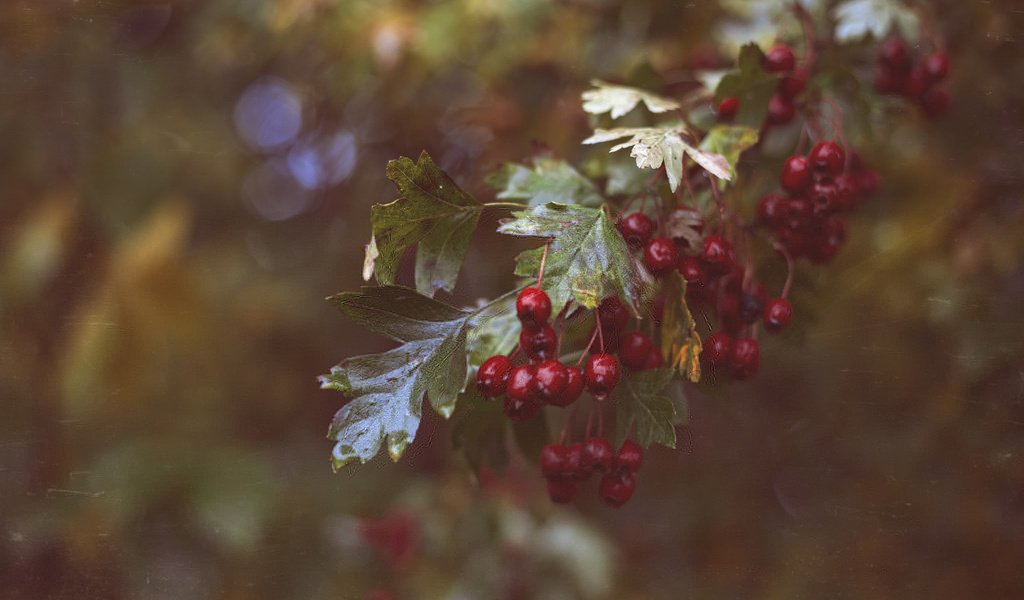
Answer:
(620, 99)
(680, 343)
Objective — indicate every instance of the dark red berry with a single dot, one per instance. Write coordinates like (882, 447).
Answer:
(601, 374)
(889, 81)
(519, 409)
(630, 456)
(617, 488)
(777, 314)
(744, 360)
(791, 86)
(653, 360)
(781, 109)
(770, 210)
(538, 343)
(492, 376)
(533, 306)
(916, 83)
(520, 384)
(719, 255)
(691, 270)
(796, 174)
(779, 59)
(636, 228)
(750, 308)
(572, 390)
(828, 157)
(634, 348)
(893, 54)
(936, 66)
(717, 348)
(727, 108)
(552, 460)
(660, 255)
(550, 379)
(561, 491)
(613, 315)
(574, 463)
(824, 196)
(935, 102)
(597, 455)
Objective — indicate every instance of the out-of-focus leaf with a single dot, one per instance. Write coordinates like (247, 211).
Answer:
(685, 223)
(531, 436)
(387, 389)
(34, 255)
(587, 261)
(751, 85)
(548, 181)
(624, 178)
(619, 100)
(493, 330)
(433, 213)
(729, 141)
(680, 342)
(478, 430)
(642, 401)
(858, 18)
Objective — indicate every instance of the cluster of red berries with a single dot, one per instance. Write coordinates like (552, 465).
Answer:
(778, 60)
(821, 187)
(543, 380)
(897, 74)
(565, 466)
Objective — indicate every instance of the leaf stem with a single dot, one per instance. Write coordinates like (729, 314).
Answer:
(543, 259)
(505, 205)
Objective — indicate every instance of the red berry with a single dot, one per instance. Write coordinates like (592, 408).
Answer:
(521, 409)
(717, 348)
(744, 360)
(719, 255)
(552, 460)
(796, 174)
(617, 488)
(630, 456)
(613, 315)
(533, 306)
(777, 314)
(893, 54)
(750, 308)
(915, 84)
(561, 491)
(824, 196)
(520, 384)
(889, 81)
(492, 376)
(691, 270)
(727, 108)
(770, 210)
(660, 255)
(634, 348)
(574, 463)
(538, 343)
(781, 109)
(828, 157)
(935, 102)
(572, 390)
(653, 360)
(779, 59)
(597, 455)
(636, 228)
(791, 86)
(601, 374)
(936, 66)
(550, 379)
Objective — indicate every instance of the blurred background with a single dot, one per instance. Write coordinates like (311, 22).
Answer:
(183, 182)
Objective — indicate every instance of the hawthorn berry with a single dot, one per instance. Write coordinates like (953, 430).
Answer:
(597, 455)
(520, 384)
(550, 378)
(601, 374)
(888, 81)
(617, 488)
(936, 66)
(781, 109)
(572, 390)
(653, 360)
(521, 409)
(691, 270)
(727, 108)
(717, 348)
(636, 228)
(719, 255)
(750, 308)
(561, 491)
(634, 349)
(893, 54)
(779, 59)
(791, 86)
(630, 456)
(533, 306)
(770, 210)
(552, 460)
(744, 360)
(828, 157)
(538, 342)
(660, 255)
(492, 376)
(613, 315)
(796, 174)
(777, 314)
(574, 463)
(935, 102)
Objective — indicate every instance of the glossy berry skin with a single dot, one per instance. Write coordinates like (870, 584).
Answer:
(520, 384)
(770, 210)
(717, 348)
(533, 306)
(552, 460)
(936, 66)
(828, 157)
(630, 456)
(796, 174)
(791, 87)
(601, 374)
(777, 314)
(636, 228)
(492, 376)
(561, 491)
(549, 380)
(617, 488)
(634, 349)
(745, 358)
(660, 255)
(613, 315)
(597, 455)
(574, 463)
(691, 270)
(719, 255)
(538, 343)
(518, 409)
(727, 108)
(781, 109)
(779, 59)
(572, 390)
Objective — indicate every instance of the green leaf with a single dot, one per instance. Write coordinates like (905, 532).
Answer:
(434, 213)
(620, 99)
(680, 342)
(387, 389)
(587, 261)
(548, 181)
(494, 330)
(751, 85)
(624, 178)
(478, 431)
(729, 141)
(642, 400)
(531, 436)
(858, 18)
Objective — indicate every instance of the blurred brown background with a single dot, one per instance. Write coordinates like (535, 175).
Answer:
(182, 183)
